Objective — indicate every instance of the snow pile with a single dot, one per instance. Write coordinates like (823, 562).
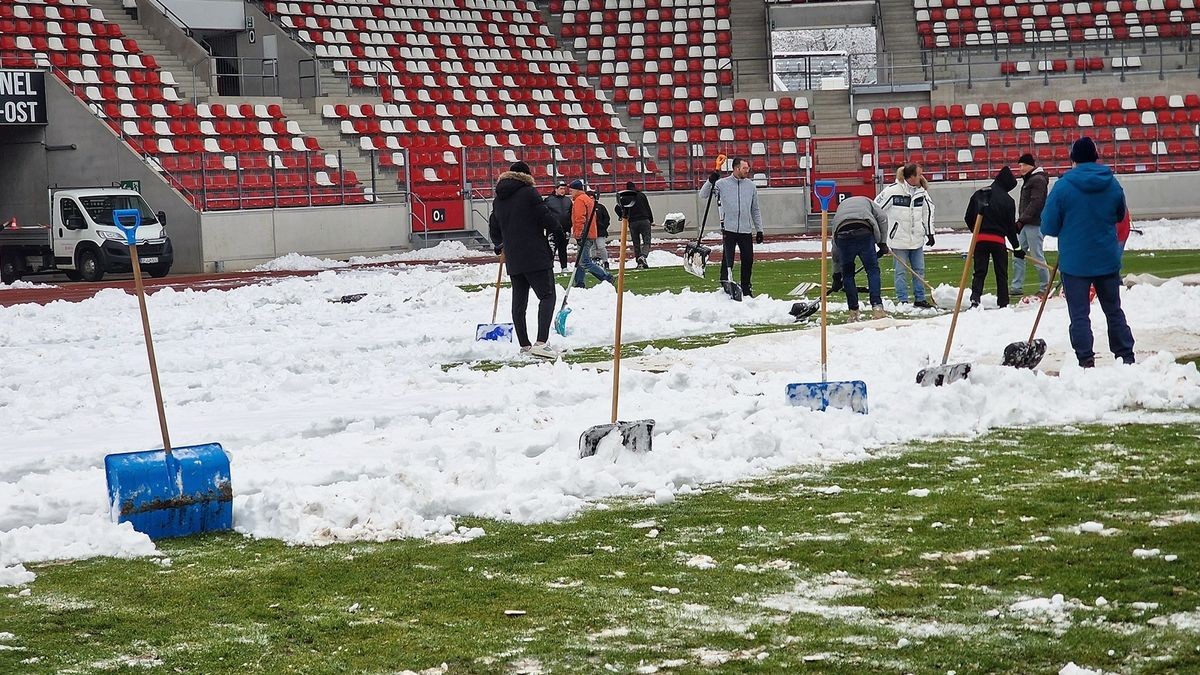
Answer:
(353, 421)
(1072, 669)
(295, 262)
(445, 250)
(21, 284)
(1163, 234)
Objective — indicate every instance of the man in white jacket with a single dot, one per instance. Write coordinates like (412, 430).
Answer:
(909, 213)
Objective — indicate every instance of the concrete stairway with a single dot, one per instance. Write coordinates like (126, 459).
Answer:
(751, 40)
(830, 113)
(900, 35)
(190, 87)
(331, 140)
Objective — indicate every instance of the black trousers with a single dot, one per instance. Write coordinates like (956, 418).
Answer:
(997, 255)
(542, 283)
(743, 242)
(639, 231)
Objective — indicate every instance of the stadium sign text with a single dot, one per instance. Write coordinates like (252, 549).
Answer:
(22, 97)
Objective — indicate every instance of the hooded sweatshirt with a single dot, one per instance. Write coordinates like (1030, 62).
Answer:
(520, 222)
(737, 199)
(909, 213)
(999, 210)
(1083, 210)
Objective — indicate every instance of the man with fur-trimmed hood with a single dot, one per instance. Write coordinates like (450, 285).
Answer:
(909, 213)
(518, 227)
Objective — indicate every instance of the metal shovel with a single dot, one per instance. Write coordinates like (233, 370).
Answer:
(936, 376)
(635, 435)
(821, 395)
(171, 492)
(493, 330)
(695, 255)
(1029, 353)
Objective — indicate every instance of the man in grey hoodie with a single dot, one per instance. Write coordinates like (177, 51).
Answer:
(859, 228)
(741, 219)
(1034, 185)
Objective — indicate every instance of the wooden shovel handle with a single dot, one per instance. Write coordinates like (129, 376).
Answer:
(824, 290)
(158, 399)
(616, 387)
(499, 276)
(962, 286)
(1042, 307)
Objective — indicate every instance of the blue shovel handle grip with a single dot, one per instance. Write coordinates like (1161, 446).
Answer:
(130, 232)
(824, 190)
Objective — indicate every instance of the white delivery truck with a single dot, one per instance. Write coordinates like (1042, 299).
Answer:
(81, 240)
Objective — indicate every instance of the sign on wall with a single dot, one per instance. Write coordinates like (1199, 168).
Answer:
(22, 97)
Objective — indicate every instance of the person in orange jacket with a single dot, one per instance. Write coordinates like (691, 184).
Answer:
(583, 228)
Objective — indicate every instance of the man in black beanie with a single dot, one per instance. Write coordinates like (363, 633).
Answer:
(518, 227)
(1083, 210)
(1034, 184)
(641, 220)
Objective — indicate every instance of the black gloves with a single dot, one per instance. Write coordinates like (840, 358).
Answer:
(714, 177)
(1019, 254)
(758, 238)
(498, 249)
(883, 250)
(929, 240)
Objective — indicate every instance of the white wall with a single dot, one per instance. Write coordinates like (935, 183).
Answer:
(208, 14)
(239, 240)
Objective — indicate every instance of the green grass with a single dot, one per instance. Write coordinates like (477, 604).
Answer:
(776, 277)
(863, 579)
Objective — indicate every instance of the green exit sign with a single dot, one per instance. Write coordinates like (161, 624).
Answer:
(135, 185)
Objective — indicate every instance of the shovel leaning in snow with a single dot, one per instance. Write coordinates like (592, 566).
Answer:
(1029, 353)
(636, 435)
(695, 255)
(918, 277)
(821, 395)
(936, 376)
(493, 330)
(171, 492)
(560, 319)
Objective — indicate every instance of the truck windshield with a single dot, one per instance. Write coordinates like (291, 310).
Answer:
(101, 207)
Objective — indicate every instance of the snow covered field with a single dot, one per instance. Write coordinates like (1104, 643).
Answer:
(342, 423)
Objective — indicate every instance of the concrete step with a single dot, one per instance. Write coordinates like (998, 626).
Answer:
(168, 61)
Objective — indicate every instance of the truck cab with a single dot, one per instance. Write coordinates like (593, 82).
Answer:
(82, 241)
(87, 244)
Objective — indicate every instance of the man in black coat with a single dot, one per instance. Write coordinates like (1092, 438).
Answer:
(1034, 188)
(559, 204)
(641, 219)
(999, 223)
(519, 227)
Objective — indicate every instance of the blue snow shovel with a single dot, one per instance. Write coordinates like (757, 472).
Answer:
(560, 319)
(821, 395)
(493, 330)
(171, 492)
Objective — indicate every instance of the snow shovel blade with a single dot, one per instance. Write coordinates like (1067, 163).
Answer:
(494, 331)
(732, 290)
(695, 257)
(635, 436)
(936, 376)
(850, 394)
(560, 321)
(803, 310)
(171, 495)
(1024, 354)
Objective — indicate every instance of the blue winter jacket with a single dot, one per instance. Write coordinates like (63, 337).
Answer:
(1083, 210)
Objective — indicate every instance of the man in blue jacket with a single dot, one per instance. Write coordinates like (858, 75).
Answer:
(1083, 210)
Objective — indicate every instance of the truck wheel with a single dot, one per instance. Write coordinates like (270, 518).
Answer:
(10, 267)
(88, 265)
(157, 271)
